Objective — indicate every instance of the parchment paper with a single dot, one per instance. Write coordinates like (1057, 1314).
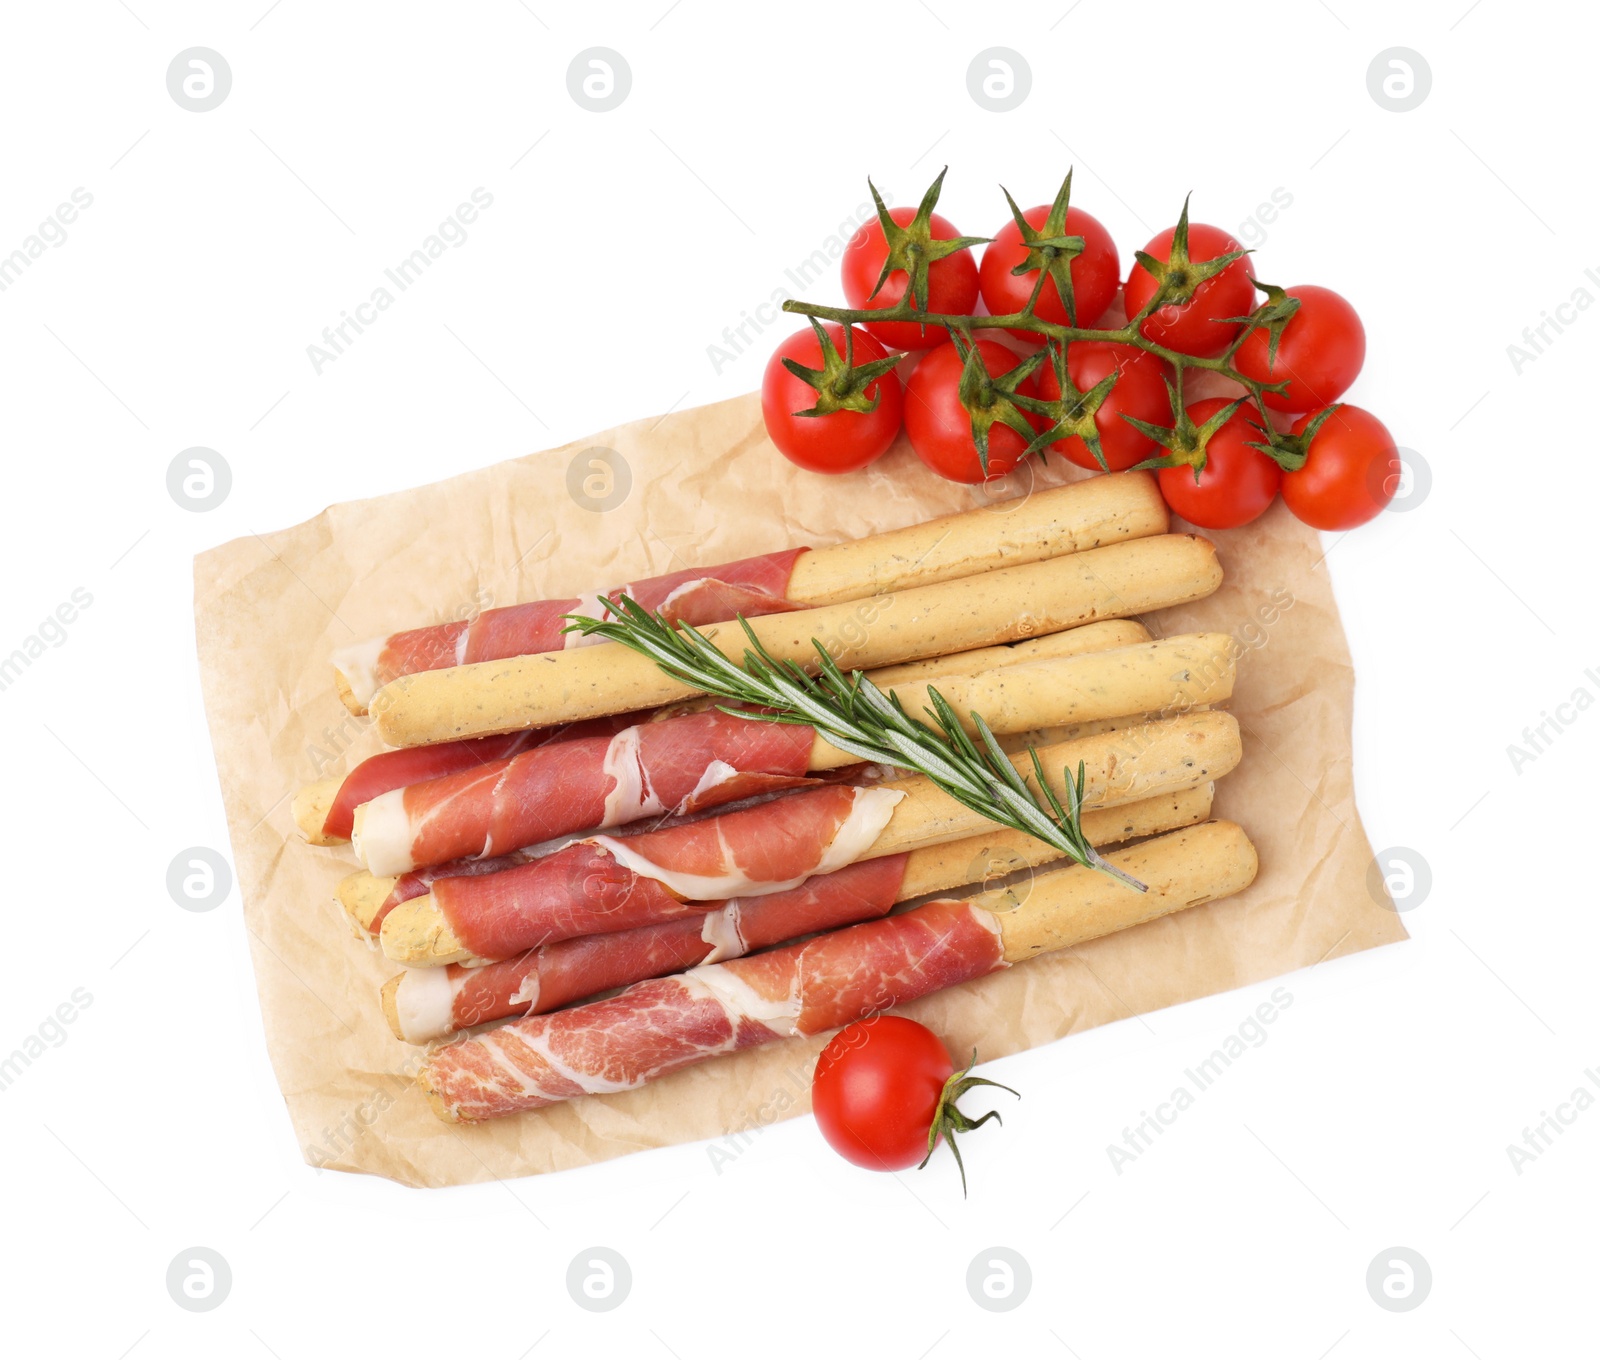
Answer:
(700, 487)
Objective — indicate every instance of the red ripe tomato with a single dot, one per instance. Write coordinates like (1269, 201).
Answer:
(1194, 327)
(1095, 273)
(941, 428)
(876, 1091)
(1351, 472)
(1320, 352)
(840, 441)
(952, 281)
(1140, 391)
(1238, 482)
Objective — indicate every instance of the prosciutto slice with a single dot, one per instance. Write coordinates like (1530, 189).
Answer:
(657, 1027)
(671, 767)
(607, 884)
(390, 770)
(432, 1002)
(416, 882)
(420, 881)
(697, 595)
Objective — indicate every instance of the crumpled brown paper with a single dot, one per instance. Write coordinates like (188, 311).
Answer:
(700, 487)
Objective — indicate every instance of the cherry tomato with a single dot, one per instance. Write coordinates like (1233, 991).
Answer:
(940, 427)
(1140, 391)
(1320, 352)
(876, 1091)
(1351, 472)
(952, 281)
(1238, 482)
(840, 441)
(1095, 273)
(1194, 327)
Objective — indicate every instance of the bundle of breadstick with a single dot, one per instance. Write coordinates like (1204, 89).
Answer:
(556, 821)
(657, 1027)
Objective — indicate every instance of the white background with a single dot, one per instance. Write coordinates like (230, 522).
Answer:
(178, 312)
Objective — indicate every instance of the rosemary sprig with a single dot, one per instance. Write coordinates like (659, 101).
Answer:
(858, 718)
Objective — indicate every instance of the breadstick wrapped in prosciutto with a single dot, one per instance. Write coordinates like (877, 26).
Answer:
(609, 883)
(702, 760)
(423, 1004)
(1116, 581)
(657, 1027)
(752, 586)
(1046, 524)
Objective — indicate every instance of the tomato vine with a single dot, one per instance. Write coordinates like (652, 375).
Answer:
(1049, 252)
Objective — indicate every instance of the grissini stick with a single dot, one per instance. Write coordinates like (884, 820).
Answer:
(609, 883)
(1086, 637)
(702, 760)
(974, 611)
(660, 1026)
(325, 811)
(423, 1004)
(1169, 675)
(1084, 514)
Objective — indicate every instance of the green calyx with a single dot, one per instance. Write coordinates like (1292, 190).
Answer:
(1289, 451)
(949, 1119)
(840, 384)
(989, 401)
(1178, 277)
(1073, 412)
(1050, 251)
(1185, 442)
(1272, 316)
(913, 249)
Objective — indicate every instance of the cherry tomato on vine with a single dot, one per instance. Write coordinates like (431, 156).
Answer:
(952, 281)
(1140, 391)
(1238, 482)
(1095, 273)
(885, 1091)
(941, 427)
(1320, 351)
(841, 441)
(1351, 472)
(1198, 326)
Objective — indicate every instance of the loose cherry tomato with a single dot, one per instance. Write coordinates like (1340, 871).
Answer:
(1320, 352)
(885, 1095)
(1198, 326)
(1238, 482)
(1351, 472)
(941, 428)
(876, 1091)
(840, 441)
(1140, 391)
(1095, 273)
(952, 281)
